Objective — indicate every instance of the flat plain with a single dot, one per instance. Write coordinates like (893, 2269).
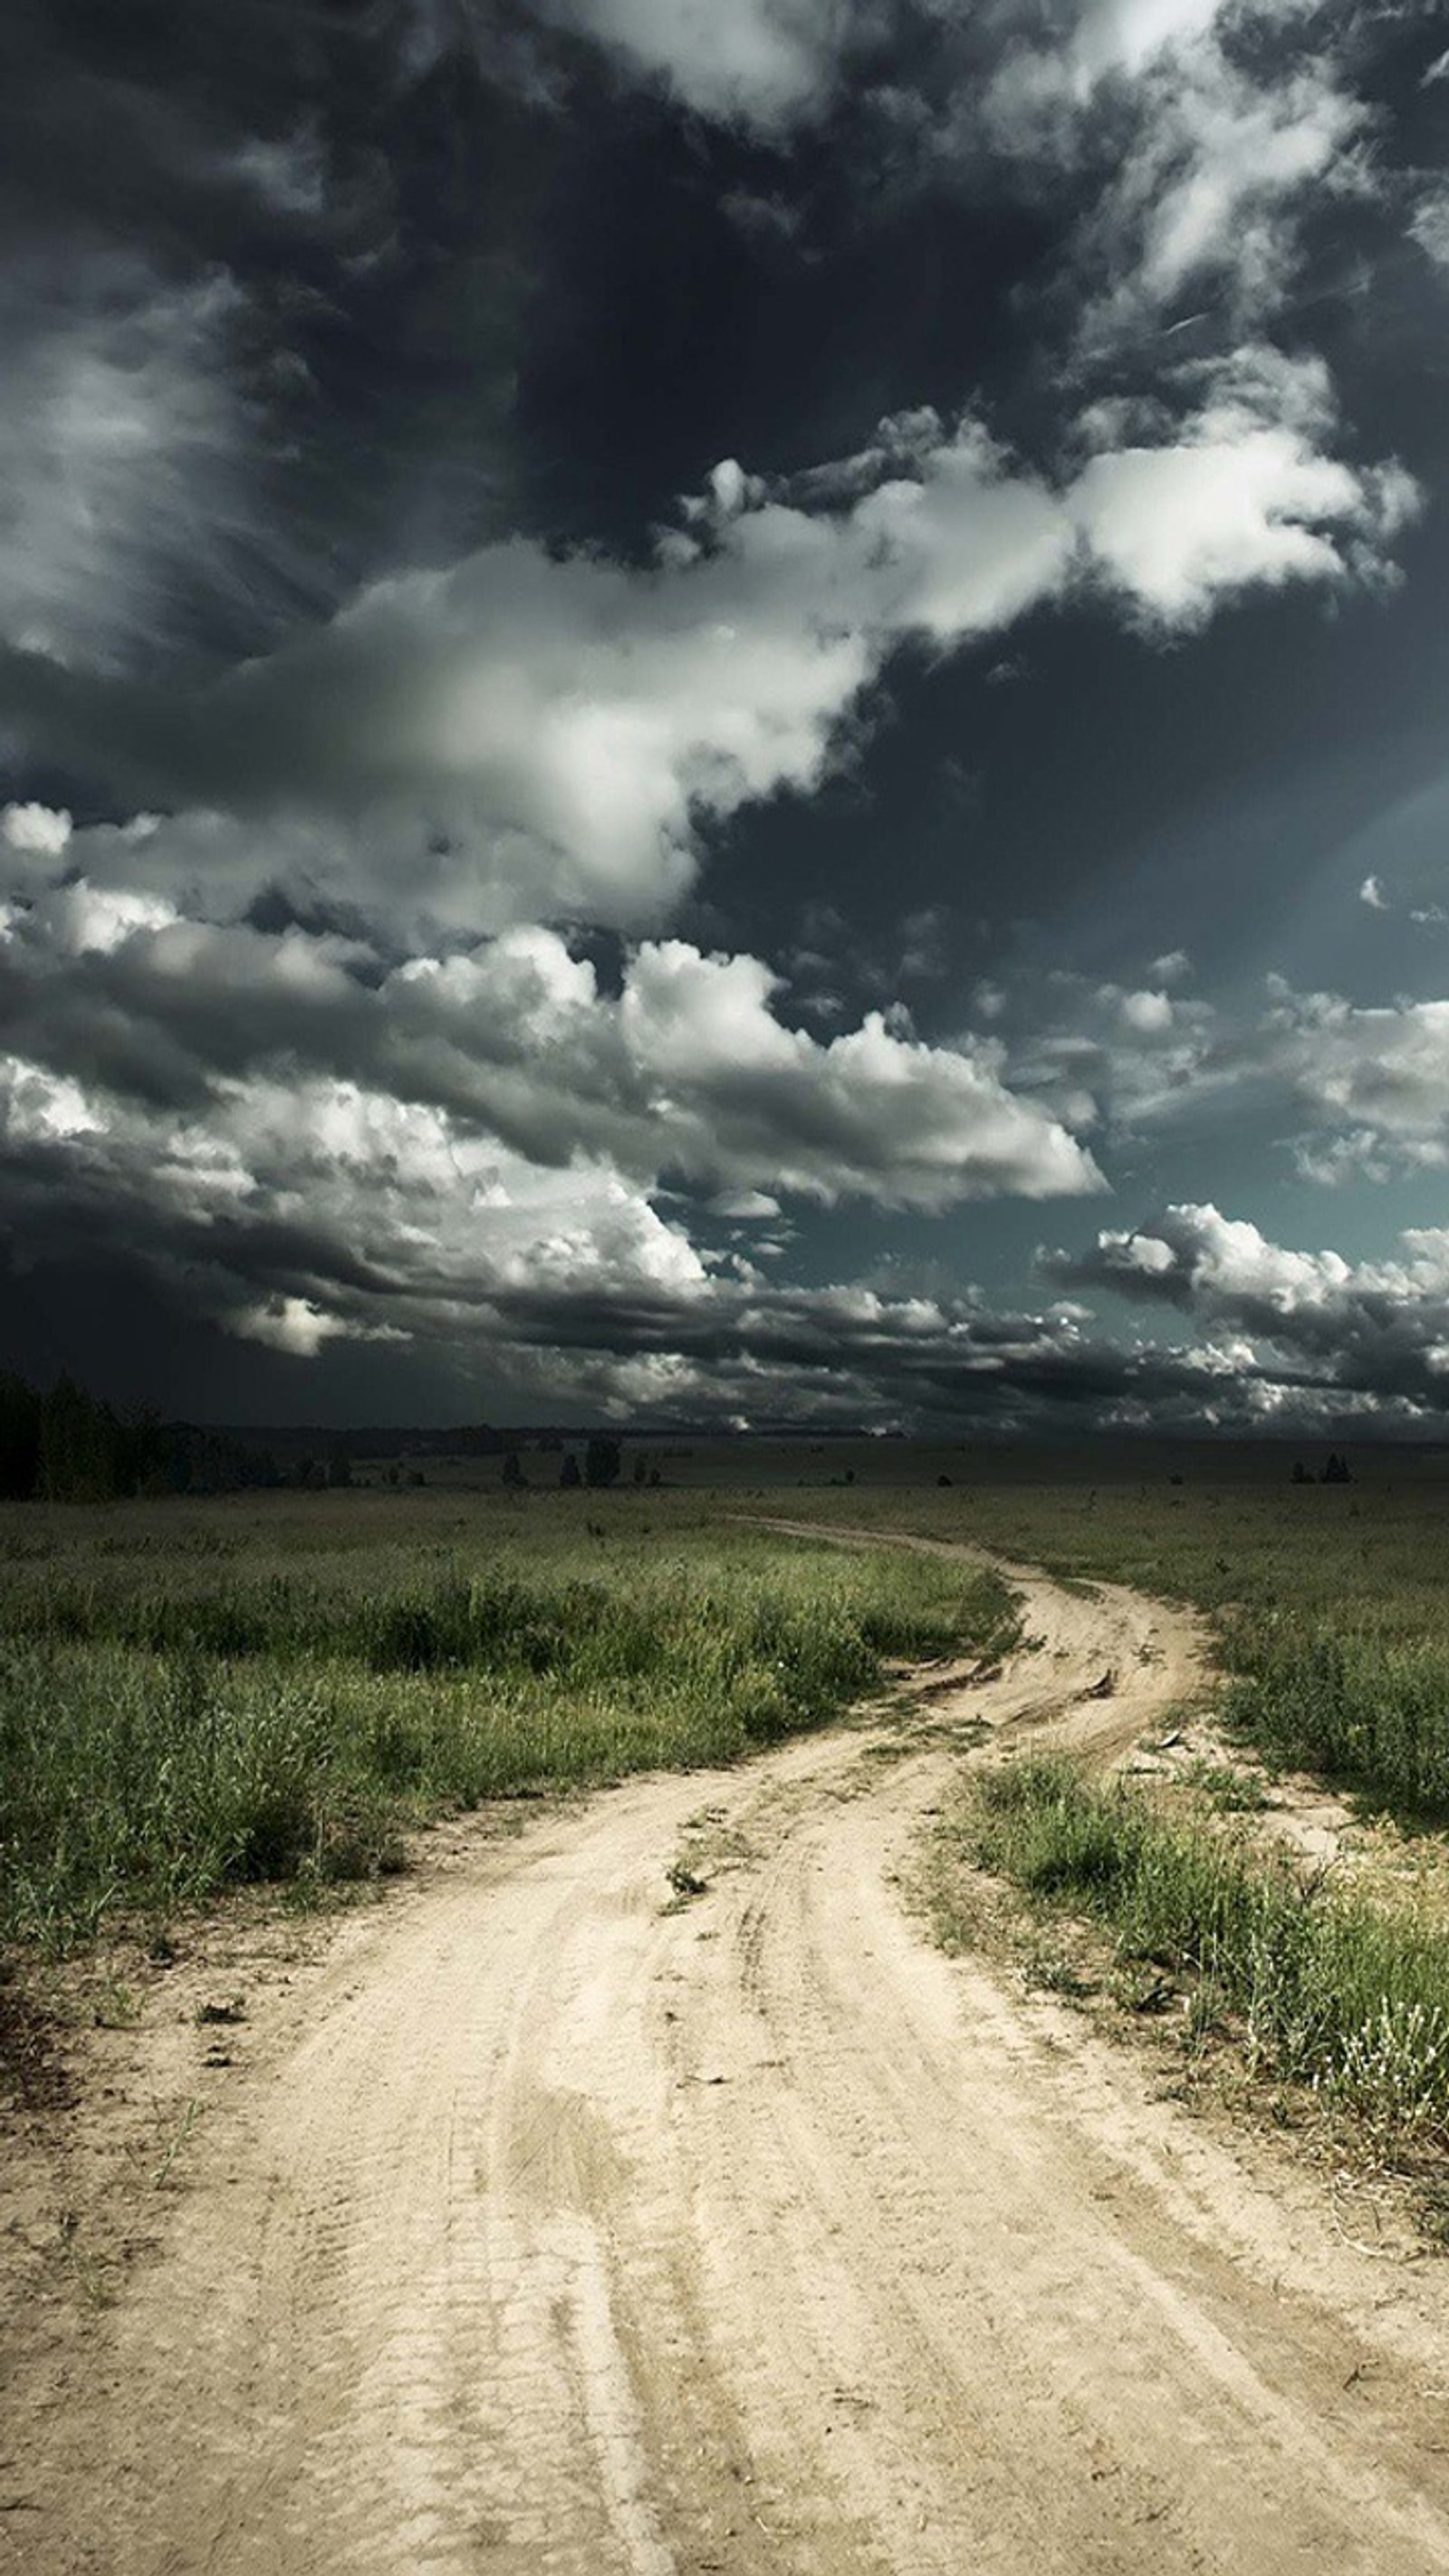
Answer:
(604, 2031)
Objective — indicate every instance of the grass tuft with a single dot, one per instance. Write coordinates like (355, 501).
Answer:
(1326, 1987)
(1368, 1710)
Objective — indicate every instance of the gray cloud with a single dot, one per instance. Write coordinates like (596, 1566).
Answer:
(525, 735)
(1211, 195)
(1375, 1334)
(766, 64)
(1361, 1089)
(579, 1297)
(689, 1074)
(125, 448)
(212, 237)
(298, 1209)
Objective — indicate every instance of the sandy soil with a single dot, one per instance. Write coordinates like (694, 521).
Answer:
(553, 2222)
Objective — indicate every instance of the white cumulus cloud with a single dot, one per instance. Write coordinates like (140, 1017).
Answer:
(524, 735)
(39, 831)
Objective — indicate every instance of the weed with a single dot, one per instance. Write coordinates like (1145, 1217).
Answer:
(1366, 1709)
(685, 1882)
(1051, 1972)
(94, 2277)
(1207, 2007)
(181, 2131)
(1396, 2067)
(115, 2006)
(1328, 1989)
(1230, 1792)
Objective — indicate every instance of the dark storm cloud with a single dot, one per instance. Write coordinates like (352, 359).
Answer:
(621, 1316)
(298, 1211)
(257, 274)
(380, 590)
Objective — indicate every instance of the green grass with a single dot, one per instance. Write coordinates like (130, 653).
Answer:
(1330, 1603)
(1327, 1988)
(192, 1698)
(1369, 1710)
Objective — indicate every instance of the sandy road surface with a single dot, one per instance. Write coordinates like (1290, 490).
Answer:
(580, 2236)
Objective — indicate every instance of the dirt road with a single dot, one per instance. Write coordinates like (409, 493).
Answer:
(589, 2231)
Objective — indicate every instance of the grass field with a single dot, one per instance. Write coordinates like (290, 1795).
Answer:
(1323, 1985)
(271, 1688)
(1331, 1603)
(1331, 1610)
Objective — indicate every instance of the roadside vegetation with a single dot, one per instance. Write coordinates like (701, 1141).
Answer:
(273, 1688)
(1330, 1603)
(1331, 1612)
(193, 1696)
(1320, 1984)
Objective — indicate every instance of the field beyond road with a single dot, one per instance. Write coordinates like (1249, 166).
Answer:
(1330, 1603)
(192, 1699)
(640, 2190)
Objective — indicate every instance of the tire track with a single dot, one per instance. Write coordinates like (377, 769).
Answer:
(585, 2235)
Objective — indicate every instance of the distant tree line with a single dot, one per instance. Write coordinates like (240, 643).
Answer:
(1337, 1472)
(69, 1447)
(603, 1464)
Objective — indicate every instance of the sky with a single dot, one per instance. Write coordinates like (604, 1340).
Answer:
(731, 714)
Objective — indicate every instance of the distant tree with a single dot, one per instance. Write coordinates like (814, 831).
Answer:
(143, 1454)
(479, 1440)
(1300, 1473)
(943, 1480)
(1337, 1471)
(601, 1461)
(568, 1473)
(19, 1438)
(513, 1475)
(69, 1447)
(79, 1447)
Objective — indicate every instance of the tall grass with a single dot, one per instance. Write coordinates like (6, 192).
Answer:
(1331, 1605)
(1370, 1711)
(1330, 1988)
(172, 1723)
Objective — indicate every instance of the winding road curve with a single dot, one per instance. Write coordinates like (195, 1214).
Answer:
(584, 2234)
